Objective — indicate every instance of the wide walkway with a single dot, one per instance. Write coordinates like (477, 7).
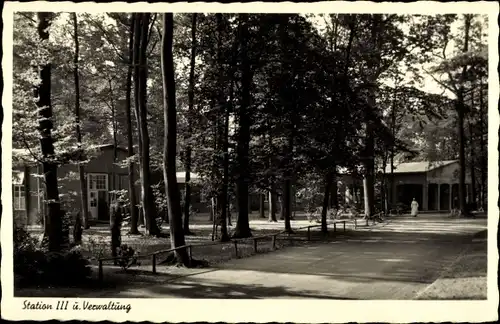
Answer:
(396, 260)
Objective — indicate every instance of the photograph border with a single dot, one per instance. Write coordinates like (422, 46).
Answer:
(263, 310)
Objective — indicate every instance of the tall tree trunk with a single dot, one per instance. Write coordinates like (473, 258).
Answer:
(130, 134)
(287, 194)
(328, 184)
(42, 93)
(169, 149)
(148, 203)
(482, 145)
(137, 105)
(213, 176)
(223, 200)
(262, 212)
(334, 188)
(460, 107)
(472, 167)
(369, 154)
(392, 148)
(288, 108)
(115, 150)
(287, 188)
(27, 196)
(242, 225)
(461, 178)
(84, 207)
(187, 192)
(225, 179)
(272, 185)
(272, 203)
(369, 165)
(472, 159)
(385, 196)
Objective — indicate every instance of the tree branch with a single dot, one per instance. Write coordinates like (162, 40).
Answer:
(151, 28)
(108, 38)
(27, 17)
(29, 150)
(441, 83)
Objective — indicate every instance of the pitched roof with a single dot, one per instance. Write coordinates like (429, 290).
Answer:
(418, 167)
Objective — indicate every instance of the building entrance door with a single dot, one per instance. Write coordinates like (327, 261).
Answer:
(93, 204)
(97, 185)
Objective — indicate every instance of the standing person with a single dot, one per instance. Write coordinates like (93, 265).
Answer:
(414, 208)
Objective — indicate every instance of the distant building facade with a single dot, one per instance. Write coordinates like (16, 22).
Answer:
(103, 176)
(434, 185)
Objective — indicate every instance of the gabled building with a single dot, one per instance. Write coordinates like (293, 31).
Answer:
(434, 185)
(103, 176)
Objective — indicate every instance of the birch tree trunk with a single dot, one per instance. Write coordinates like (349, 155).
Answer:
(170, 144)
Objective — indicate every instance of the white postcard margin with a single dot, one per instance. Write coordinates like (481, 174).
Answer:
(266, 310)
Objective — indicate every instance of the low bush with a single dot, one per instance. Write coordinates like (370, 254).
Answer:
(34, 266)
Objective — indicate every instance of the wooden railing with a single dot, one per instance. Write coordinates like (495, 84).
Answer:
(189, 247)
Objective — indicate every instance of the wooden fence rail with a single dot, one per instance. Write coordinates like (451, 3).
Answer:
(255, 240)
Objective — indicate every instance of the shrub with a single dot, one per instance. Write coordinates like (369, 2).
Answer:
(128, 257)
(28, 258)
(66, 268)
(23, 240)
(34, 266)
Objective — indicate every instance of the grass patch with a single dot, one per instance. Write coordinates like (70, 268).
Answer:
(456, 289)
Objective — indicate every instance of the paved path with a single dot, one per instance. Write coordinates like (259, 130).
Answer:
(396, 260)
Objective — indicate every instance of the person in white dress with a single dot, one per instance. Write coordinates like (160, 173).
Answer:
(414, 208)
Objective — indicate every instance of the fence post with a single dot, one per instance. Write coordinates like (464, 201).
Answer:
(334, 227)
(236, 248)
(344, 226)
(190, 251)
(255, 245)
(274, 242)
(100, 271)
(154, 263)
(308, 233)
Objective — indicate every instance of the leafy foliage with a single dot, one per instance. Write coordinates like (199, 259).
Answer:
(34, 266)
